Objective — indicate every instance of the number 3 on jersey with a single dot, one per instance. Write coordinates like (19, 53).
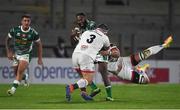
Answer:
(91, 39)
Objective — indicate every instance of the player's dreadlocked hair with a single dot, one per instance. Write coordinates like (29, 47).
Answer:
(80, 14)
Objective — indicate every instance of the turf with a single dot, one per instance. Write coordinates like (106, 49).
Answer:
(127, 96)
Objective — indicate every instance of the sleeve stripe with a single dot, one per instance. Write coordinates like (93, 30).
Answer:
(9, 35)
(37, 40)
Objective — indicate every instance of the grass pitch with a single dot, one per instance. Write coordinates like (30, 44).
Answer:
(127, 96)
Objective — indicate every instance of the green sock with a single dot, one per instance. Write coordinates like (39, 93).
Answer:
(108, 91)
(93, 86)
(75, 86)
(15, 85)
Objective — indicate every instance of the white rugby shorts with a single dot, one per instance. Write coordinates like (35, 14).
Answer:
(126, 70)
(24, 57)
(83, 62)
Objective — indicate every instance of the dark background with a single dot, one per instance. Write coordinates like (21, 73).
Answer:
(134, 24)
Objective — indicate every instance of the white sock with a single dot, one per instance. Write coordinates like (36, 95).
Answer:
(108, 87)
(15, 82)
(82, 83)
(155, 49)
(13, 89)
(27, 76)
(150, 51)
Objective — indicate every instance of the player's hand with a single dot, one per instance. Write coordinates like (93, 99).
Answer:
(40, 62)
(10, 55)
(76, 31)
(76, 38)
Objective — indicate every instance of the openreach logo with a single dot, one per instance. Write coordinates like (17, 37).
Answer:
(52, 72)
(7, 72)
(42, 73)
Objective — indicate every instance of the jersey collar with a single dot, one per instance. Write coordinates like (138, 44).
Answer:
(24, 30)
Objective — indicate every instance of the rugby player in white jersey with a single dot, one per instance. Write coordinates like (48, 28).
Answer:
(127, 67)
(80, 25)
(84, 55)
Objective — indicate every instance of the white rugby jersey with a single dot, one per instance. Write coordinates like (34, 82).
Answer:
(91, 43)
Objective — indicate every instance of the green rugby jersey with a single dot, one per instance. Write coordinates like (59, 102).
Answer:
(90, 25)
(23, 40)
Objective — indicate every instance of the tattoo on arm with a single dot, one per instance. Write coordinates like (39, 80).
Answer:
(7, 44)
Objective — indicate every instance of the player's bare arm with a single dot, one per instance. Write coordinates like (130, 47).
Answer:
(8, 50)
(75, 33)
(39, 46)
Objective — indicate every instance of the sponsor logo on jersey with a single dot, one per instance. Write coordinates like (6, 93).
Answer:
(29, 36)
(23, 35)
(18, 34)
(84, 47)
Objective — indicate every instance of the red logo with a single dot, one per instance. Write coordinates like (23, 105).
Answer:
(158, 75)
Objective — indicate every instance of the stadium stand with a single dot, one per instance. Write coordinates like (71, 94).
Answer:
(134, 25)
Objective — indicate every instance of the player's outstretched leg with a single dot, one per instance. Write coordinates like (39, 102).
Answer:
(107, 83)
(167, 42)
(12, 91)
(95, 92)
(136, 58)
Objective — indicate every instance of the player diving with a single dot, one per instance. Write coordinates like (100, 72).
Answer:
(127, 67)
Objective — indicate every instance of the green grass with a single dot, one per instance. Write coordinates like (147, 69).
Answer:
(153, 96)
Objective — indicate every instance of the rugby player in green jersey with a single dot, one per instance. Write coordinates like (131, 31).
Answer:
(23, 38)
(79, 26)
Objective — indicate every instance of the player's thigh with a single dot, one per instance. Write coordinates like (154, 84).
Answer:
(125, 62)
(24, 57)
(126, 70)
(102, 63)
(22, 66)
(102, 67)
(86, 63)
(23, 62)
(87, 67)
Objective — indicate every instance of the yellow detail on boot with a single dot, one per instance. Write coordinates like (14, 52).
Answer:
(167, 42)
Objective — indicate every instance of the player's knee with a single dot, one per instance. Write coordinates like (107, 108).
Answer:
(82, 83)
